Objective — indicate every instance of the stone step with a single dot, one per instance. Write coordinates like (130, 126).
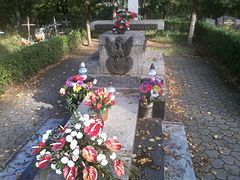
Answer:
(177, 161)
(21, 165)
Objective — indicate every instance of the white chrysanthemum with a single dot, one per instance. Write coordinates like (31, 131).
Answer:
(45, 137)
(37, 164)
(114, 137)
(78, 126)
(113, 97)
(79, 135)
(99, 141)
(76, 152)
(101, 157)
(104, 162)
(86, 123)
(70, 164)
(48, 132)
(93, 138)
(43, 152)
(113, 156)
(58, 171)
(38, 157)
(69, 138)
(64, 160)
(73, 133)
(75, 158)
(73, 144)
(68, 130)
(103, 136)
(53, 166)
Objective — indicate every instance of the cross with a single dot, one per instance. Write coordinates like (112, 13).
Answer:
(28, 26)
(55, 24)
(133, 6)
(66, 22)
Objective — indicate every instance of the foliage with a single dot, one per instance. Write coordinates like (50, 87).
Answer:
(224, 44)
(29, 60)
(80, 150)
(176, 25)
(9, 44)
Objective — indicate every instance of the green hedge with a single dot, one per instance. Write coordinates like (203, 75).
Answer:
(176, 25)
(28, 61)
(222, 43)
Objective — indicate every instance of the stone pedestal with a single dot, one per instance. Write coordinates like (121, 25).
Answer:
(110, 43)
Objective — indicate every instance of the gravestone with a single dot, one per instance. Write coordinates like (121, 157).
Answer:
(133, 6)
(107, 25)
(122, 53)
(210, 21)
(228, 21)
(55, 25)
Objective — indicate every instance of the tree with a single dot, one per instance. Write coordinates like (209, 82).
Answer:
(192, 22)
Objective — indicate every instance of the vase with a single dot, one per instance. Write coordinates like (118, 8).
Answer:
(145, 110)
(103, 116)
(159, 109)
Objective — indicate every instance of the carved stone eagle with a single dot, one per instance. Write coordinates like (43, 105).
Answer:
(119, 60)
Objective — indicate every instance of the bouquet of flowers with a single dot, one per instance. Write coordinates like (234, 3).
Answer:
(121, 23)
(75, 90)
(151, 89)
(80, 149)
(100, 100)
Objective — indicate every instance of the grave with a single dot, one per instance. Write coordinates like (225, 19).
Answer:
(107, 25)
(29, 28)
(228, 21)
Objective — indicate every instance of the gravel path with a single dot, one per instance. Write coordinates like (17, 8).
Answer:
(210, 110)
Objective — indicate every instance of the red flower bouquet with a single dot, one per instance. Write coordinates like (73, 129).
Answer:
(80, 150)
(100, 100)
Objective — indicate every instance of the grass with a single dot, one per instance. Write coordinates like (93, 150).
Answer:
(169, 42)
(9, 44)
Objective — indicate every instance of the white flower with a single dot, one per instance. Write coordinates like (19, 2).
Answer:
(86, 116)
(73, 133)
(69, 138)
(114, 137)
(70, 163)
(53, 166)
(64, 160)
(75, 158)
(86, 123)
(113, 97)
(76, 152)
(68, 130)
(78, 126)
(104, 162)
(45, 137)
(101, 157)
(79, 135)
(113, 156)
(58, 171)
(93, 138)
(100, 141)
(43, 152)
(94, 81)
(73, 144)
(48, 132)
(38, 157)
(37, 164)
(103, 136)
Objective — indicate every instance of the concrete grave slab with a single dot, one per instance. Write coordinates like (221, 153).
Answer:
(177, 166)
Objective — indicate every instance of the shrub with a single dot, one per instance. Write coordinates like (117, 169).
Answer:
(176, 25)
(28, 61)
(224, 44)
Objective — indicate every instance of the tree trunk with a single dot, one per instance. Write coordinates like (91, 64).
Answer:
(192, 23)
(89, 34)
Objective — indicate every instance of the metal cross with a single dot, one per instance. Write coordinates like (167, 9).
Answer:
(66, 22)
(55, 24)
(28, 26)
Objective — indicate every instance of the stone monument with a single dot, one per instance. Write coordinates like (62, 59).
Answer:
(122, 53)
